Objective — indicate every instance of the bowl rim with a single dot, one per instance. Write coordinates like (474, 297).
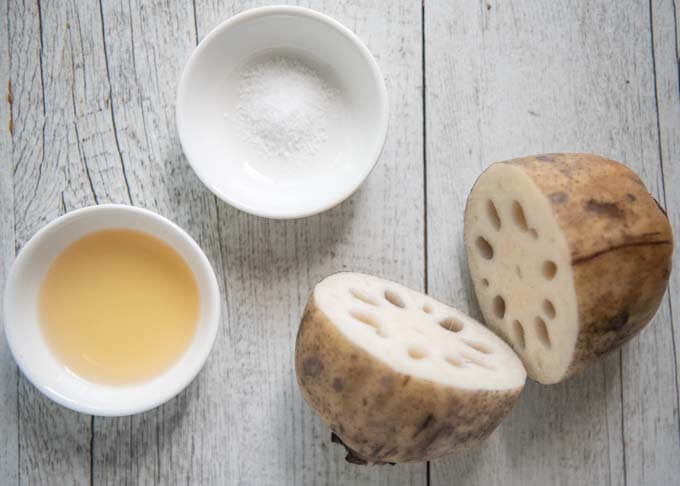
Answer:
(201, 353)
(379, 81)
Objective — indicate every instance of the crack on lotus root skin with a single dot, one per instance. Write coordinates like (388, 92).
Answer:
(585, 258)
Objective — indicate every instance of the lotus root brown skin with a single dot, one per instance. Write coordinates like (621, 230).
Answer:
(380, 415)
(620, 243)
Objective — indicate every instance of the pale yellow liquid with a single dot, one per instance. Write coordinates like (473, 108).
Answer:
(118, 306)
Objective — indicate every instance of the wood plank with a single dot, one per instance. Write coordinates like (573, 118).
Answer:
(147, 45)
(9, 425)
(65, 157)
(271, 266)
(511, 79)
(153, 446)
(666, 25)
(666, 45)
(43, 453)
(650, 395)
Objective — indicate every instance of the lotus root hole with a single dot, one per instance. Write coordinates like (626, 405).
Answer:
(482, 348)
(499, 306)
(484, 248)
(549, 308)
(492, 213)
(416, 353)
(549, 269)
(451, 324)
(518, 216)
(427, 308)
(485, 282)
(542, 332)
(362, 296)
(519, 333)
(533, 233)
(365, 319)
(394, 299)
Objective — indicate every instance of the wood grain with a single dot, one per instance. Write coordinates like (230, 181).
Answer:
(93, 89)
(9, 427)
(146, 45)
(666, 45)
(510, 79)
(66, 96)
(48, 176)
(272, 265)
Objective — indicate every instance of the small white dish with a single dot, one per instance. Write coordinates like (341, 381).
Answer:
(249, 173)
(30, 349)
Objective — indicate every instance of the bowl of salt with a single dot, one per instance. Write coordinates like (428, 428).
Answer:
(282, 112)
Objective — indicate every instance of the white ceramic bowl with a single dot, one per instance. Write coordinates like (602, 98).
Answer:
(210, 112)
(30, 350)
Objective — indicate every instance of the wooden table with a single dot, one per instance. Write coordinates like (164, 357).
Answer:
(90, 107)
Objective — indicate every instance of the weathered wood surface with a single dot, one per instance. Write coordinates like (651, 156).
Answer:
(109, 74)
(666, 23)
(9, 425)
(273, 438)
(244, 411)
(93, 89)
(506, 79)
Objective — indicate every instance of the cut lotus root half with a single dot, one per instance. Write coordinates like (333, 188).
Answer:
(569, 256)
(399, 376)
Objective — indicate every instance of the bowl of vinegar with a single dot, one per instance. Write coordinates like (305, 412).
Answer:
(111, 310)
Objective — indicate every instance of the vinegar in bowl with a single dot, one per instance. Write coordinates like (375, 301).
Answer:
(118, 306)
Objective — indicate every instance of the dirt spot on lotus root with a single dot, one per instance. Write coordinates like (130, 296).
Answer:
(559, 197)
(312, 366)
(617, 322)
(338, 385)
(609, 209)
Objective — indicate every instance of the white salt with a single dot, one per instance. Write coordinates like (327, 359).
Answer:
(283, 108)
